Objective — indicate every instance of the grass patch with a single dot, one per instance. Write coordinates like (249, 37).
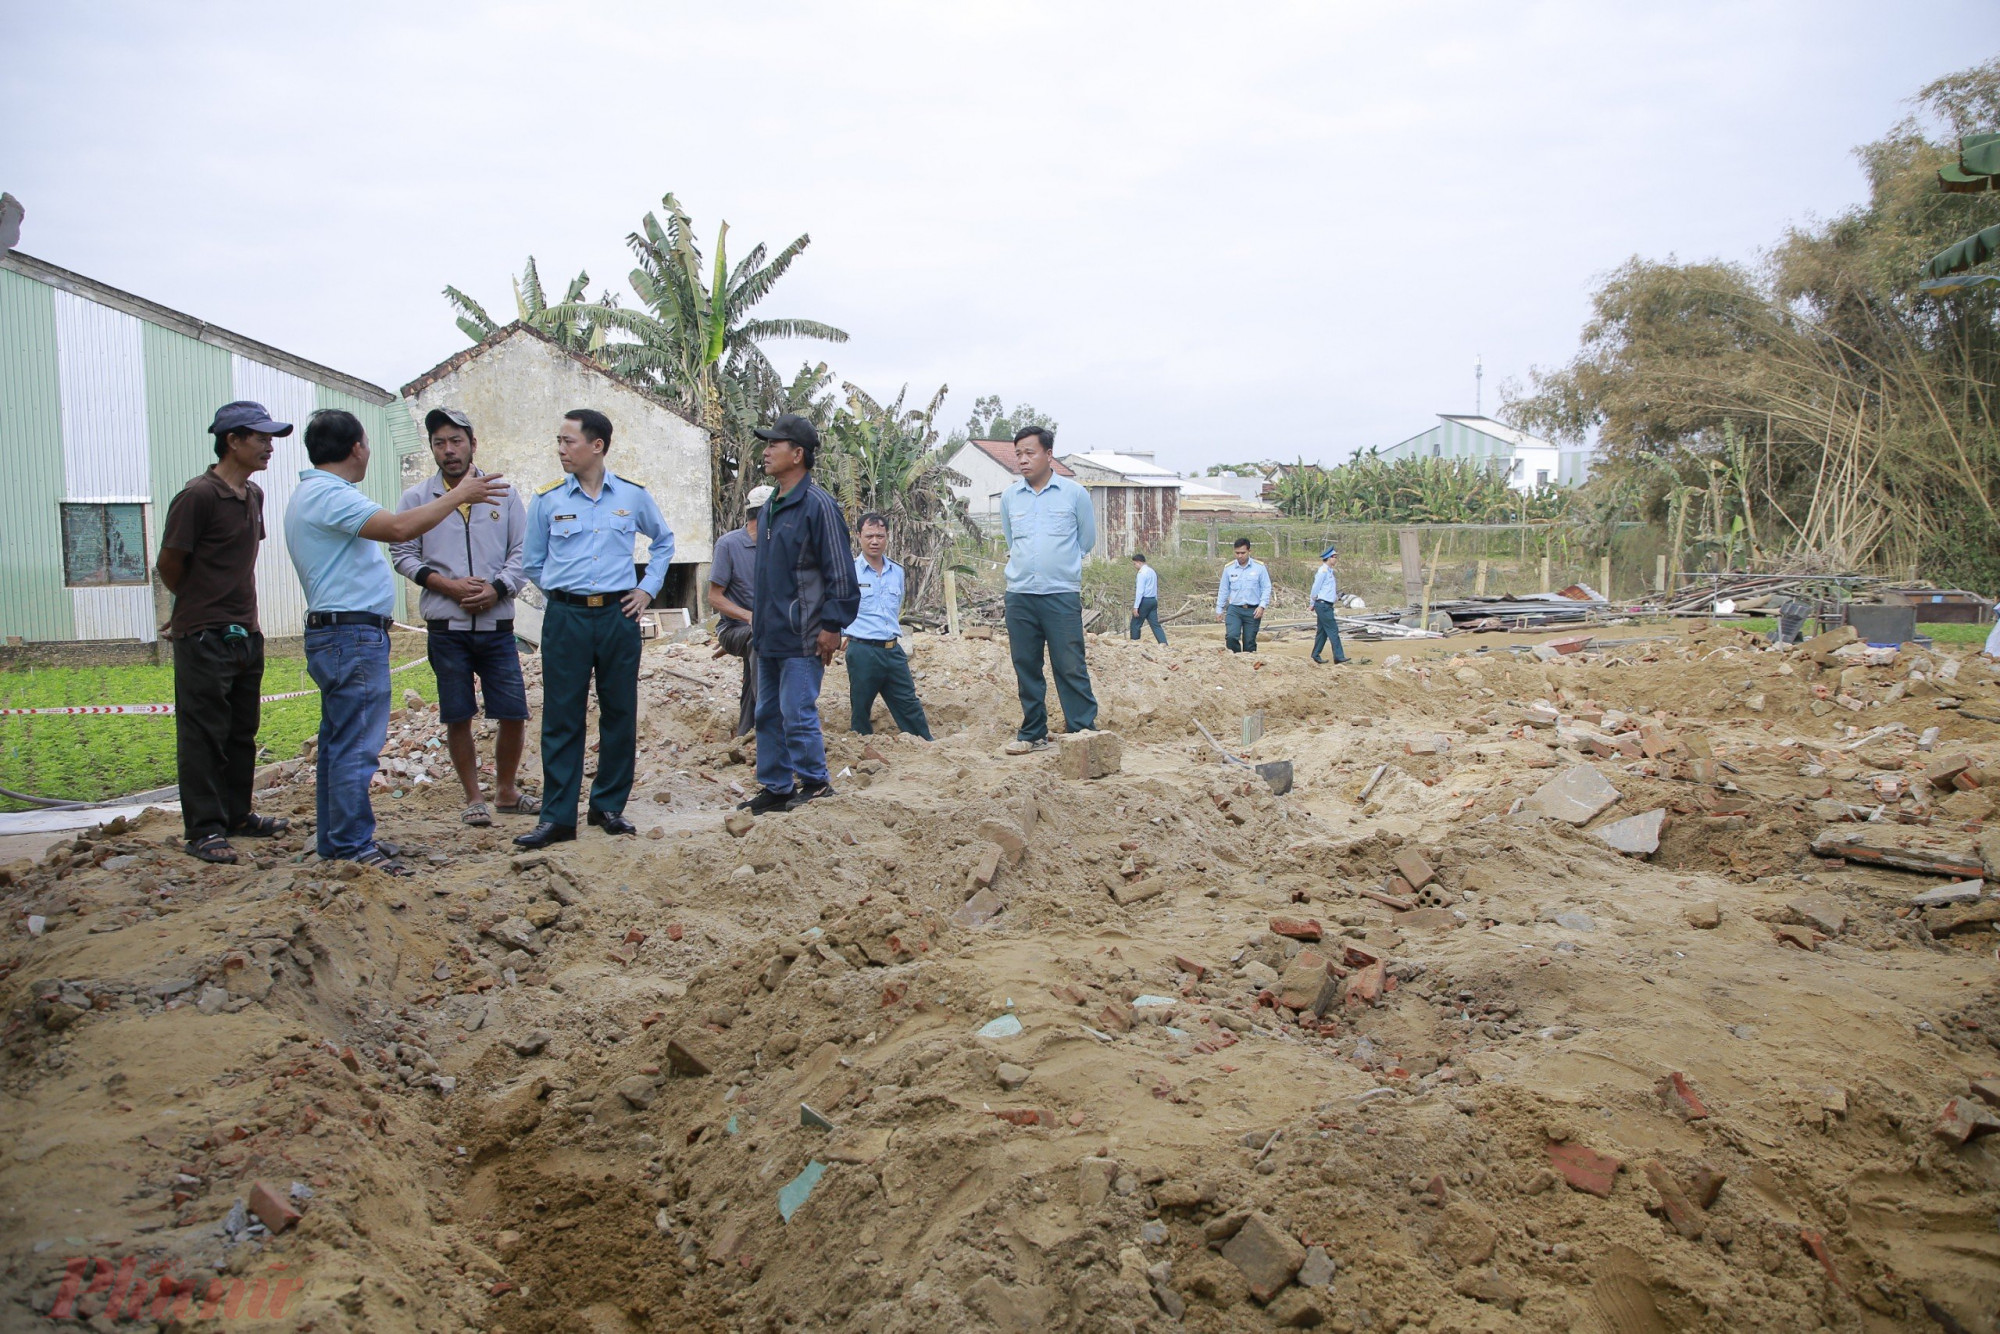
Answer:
(1937, 632)
(83, 758)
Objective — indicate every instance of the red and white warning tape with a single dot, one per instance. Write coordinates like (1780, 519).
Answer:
(157, 709)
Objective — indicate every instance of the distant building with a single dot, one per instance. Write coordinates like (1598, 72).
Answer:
(988, 469)
(105, 401)
(1137, 503)
(515, 387)
(1243, 488)
(1525, 460)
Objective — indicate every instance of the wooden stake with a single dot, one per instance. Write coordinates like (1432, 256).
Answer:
(1545, 574)
(951, 602)
(1659, 574)
(1604, 576)
(1479, 584)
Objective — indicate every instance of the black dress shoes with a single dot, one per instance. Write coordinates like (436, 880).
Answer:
(611, 823)
(544, 834)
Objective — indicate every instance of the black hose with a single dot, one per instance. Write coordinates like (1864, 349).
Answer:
(64, 804)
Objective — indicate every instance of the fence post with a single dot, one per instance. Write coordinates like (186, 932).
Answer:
(951, 602)
(1479, 584)
(1211, 539)
(1413, 567)
(1604, 576)
(1545, 574)
(1659, 574)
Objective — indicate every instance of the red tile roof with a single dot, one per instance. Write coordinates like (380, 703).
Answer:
(1002, 453)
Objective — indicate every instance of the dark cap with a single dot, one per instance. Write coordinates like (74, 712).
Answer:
(791, 427)
(246, 416)
(437, 417)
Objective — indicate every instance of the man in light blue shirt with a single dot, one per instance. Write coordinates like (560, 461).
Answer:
(1049, 527)
(1146, 598)
(331, 530)
(579, 552)
(1241, 597)
(1325, 598)
(876, 663)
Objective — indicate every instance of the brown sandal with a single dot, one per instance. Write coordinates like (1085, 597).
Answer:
(214, 849)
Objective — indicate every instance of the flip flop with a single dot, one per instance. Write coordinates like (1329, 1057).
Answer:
(476, 814)
(529, 804)
(214, 849)
(378, 859)
(262, 826)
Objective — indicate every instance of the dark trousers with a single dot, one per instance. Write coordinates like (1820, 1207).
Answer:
(1148, 613)
(734, 637)
(873, 670)
(216, 685)
(1240, 629)
(578, 642)
(1328, 633)
(1052, 621)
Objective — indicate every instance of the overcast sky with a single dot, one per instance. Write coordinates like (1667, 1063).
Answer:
(1215, 231)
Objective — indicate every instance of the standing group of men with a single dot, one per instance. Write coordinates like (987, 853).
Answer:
(790, 592)
(1241, 599)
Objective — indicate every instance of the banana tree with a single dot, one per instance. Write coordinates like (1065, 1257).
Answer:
(572, 323)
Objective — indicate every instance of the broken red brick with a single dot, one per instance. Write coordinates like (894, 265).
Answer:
(674, 931)
(1069, 994)
(1296, 928)
(1026, 1116)
(1115, 1018)
(1366, 985)
(1680, 1212)
(1679, 1097)
(1800, 937)
(894, 992)
(1585, 1169)
(273, 1210)
(1356, 957)
(1187, 965)
(1963, 1119)
(635, 937)
(1413, 868)
(350, 1060)
(501, 1288)
(1816, 1247)
(1399, 887)
(1706, 1184)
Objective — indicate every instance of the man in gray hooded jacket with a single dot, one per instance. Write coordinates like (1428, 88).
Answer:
(470, 572)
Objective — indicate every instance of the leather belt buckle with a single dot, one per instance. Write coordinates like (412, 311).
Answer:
(594, 600)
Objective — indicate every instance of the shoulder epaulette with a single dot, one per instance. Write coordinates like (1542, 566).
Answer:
(551, 486)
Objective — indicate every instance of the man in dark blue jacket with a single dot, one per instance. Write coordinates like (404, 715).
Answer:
(805, 593)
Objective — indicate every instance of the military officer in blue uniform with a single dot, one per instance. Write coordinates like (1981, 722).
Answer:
(579, 552)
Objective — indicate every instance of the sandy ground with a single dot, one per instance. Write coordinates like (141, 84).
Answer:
(570, 1092)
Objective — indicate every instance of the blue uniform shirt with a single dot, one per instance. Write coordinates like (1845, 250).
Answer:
(1147, 585)
(881, 601)
(580, 545)
(1325, 587)
(1048, 533)
(1243, 586)
(340, 569)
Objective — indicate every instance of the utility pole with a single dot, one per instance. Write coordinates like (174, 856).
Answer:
(1478, 384)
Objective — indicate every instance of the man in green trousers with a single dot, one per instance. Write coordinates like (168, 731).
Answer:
(876, 663)
(579, 551)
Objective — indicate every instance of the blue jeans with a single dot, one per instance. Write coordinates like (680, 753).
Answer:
(350, 665)
(1148, 613)
(1240, 630)
(1051, 621)
(458, 656)
(790, 749)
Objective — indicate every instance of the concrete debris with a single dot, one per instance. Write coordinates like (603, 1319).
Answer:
(1635, 835)
(1575, 796)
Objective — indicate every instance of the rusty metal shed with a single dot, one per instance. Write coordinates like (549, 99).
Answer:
(1137, 503)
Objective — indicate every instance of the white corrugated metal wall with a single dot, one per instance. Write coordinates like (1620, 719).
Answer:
(281, 602)
(101, 374)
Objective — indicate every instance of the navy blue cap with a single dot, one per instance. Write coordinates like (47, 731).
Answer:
(1328, 552)
(246, 416)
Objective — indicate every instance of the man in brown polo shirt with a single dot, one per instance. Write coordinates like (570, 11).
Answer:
(208, 560)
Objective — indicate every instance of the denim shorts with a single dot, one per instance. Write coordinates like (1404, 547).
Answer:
(491, 655)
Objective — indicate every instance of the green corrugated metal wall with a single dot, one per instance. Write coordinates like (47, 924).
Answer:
(35, 605)
(186, 381)
(390, 432)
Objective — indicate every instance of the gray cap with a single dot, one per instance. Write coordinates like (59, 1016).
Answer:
(437, 417)
(758, 495)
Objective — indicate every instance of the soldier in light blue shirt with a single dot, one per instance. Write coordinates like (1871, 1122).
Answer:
(1146, 598)
(1325, 598)
(1241, 598)
(579, 551)
(876, 663)
(1050, 527)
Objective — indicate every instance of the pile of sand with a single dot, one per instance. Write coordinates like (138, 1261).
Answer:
(1195, 1054)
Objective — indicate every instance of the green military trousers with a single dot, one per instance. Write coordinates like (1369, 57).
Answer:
(576, 642)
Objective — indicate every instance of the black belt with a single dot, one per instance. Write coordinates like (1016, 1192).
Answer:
(318, 620)
(586, 599)
(505, 627)
(873, 643)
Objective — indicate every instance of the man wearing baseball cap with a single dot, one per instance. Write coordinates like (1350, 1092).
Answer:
(1325, 600)
(469, 572)
(731, 584)
(806, 594)
(208, 561)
